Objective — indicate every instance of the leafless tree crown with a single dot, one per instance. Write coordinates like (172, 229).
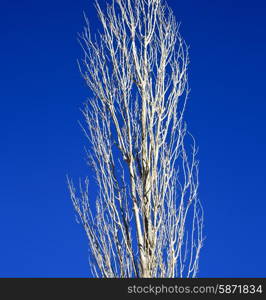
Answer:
(146, 220)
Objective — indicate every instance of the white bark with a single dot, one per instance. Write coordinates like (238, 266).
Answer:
(146, 220)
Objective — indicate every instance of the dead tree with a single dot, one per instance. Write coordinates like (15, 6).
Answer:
(146, 220)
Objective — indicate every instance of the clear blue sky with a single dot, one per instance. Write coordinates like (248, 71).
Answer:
(41, 92)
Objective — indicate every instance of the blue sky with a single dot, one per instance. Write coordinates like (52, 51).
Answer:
(41, 92)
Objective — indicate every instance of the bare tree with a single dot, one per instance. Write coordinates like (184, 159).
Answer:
(146, 220)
